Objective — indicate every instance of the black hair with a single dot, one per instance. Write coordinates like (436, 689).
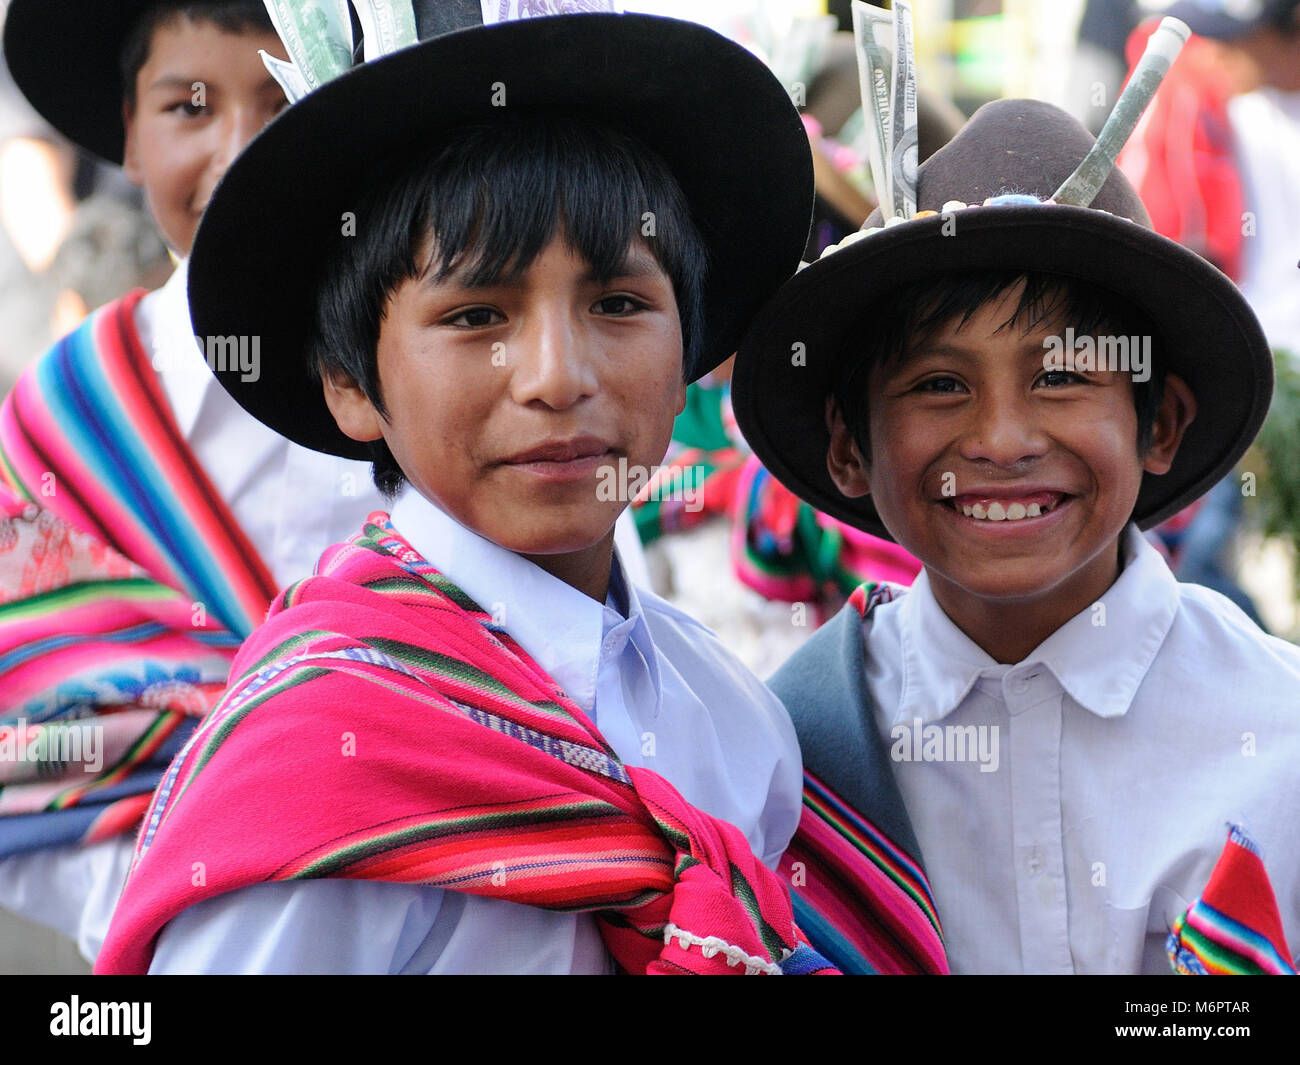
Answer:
(486, 202)
(911, 315)
(233, 16)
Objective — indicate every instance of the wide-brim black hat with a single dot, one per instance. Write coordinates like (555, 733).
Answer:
(65, 56)
(716, 115)
(1207, 333)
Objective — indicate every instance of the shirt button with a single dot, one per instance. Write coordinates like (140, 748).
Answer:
(1019, 685)
(1034, 861)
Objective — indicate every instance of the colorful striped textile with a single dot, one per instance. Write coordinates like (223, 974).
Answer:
(780, 546)
(862, 902)
(788, 551)
(382, 727)
(125, 588)
(697, 480)
(860, 890)
(1233, 928)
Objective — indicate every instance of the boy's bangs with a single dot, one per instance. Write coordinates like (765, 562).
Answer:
(1044, 300)
(496, 210)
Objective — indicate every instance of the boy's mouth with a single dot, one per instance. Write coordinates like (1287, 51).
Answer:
(1003, 508)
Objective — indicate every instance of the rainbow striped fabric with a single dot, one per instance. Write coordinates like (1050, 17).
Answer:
(780, 546)
(860, 890)
(382, 727)
(863, 902)
(125, 588)
(1234, 927)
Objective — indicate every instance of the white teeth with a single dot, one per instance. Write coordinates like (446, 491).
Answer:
(997, 511)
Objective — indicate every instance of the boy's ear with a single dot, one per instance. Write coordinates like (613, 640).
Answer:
(843, 459)
(130, 151)
(1177, 411)
(353, 412)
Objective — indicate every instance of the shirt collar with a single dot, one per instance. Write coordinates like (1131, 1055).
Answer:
(566, 632)
(940, 662)
(173, 352)
(1100, 656)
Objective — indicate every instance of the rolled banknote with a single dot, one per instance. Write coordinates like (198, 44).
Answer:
(386, 26)
(903, 145)
(872, 27)
(1081, 187)
(290, 79)
(317, 34)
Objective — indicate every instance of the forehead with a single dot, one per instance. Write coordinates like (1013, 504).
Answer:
(177, 40)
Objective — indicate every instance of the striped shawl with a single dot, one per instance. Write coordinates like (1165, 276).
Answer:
(125, 588)
(380, 726)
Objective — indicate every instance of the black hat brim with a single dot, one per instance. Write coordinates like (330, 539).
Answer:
(65, 56)
(1207, 335)
(717, 116)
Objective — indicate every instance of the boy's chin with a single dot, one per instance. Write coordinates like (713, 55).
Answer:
(567, 535)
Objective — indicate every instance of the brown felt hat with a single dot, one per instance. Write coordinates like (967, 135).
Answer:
(1015, 153)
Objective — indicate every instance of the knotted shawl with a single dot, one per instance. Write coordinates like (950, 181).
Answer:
(380, 726)
(125, 587)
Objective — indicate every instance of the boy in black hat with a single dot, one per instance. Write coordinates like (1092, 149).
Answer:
(148, 519)
(469, 743)
(1013, 387)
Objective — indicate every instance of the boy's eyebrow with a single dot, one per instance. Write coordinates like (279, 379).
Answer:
(172, 81)
(638, 264)
(962, 352)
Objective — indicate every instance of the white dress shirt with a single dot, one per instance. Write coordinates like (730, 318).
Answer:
(663, 692)
(1126, 742)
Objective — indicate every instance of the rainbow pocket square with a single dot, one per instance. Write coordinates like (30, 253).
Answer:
(1234, 928)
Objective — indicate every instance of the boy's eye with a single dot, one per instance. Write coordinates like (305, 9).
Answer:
(188, 107)
(1056, 378)
(619, 305)
(476, 318)
(943, 385)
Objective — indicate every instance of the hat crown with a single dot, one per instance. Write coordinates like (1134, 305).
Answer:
(1016, 146)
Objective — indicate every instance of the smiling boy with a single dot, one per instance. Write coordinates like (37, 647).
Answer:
(469, 743)
(1135, 716)
(150, 519)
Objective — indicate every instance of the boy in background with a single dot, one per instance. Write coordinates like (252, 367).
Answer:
(147, 519)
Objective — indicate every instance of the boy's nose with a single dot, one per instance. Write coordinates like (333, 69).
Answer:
(240, 125)
(551, 360)
(1004, 430)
